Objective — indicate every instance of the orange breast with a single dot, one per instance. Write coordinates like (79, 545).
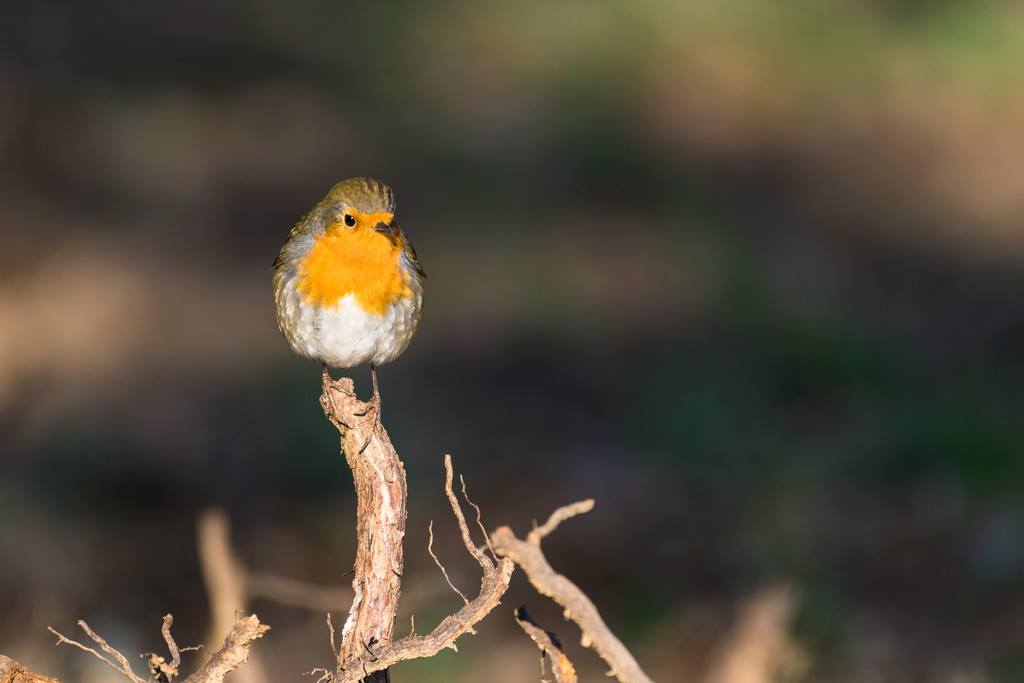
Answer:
(363, 263)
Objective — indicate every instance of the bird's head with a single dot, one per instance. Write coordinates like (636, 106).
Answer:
(360, 205)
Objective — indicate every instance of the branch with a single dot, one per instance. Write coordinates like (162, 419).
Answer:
(557, 517)
(122, 666)
(13, 672)
(232, 655)
(493, 584)
(226, 581)
(578, 607)
(159, 667)
(379, 479)
(550, 647)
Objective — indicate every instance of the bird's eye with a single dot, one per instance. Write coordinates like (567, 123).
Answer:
(350, 220)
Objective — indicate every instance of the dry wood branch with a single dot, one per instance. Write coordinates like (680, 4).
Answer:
(379, 478)
(479, 517)
(13, 672)
(550, 647)
(172, 647)
(557, 517)
(159, 667)
(122, 666)
(430, 549)
(232, 655)
(493, 584)
(226, 580)
(330, 630)
(234, 652)
(223, 575)
(578, 607)
(467, 538)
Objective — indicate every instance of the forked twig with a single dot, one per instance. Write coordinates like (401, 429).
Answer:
(479, 517)
(577, 606)
(493, 584)
(430, 549)
(122, 666)
(232, 655)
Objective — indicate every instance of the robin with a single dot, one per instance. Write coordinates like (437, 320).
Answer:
(347, 284)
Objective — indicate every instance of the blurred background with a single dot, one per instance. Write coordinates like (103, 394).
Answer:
(749, 274)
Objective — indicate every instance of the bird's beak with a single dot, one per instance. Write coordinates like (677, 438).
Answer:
(388, 229)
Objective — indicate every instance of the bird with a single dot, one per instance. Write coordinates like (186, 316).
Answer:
(348, 285)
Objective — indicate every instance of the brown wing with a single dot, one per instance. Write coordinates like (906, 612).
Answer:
(279, 261)
(410, 255)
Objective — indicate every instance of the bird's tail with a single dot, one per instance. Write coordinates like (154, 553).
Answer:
(381, 676)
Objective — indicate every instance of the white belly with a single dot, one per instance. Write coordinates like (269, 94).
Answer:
(345, 335)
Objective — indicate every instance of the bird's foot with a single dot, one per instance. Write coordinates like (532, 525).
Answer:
(327, 402)
(375, 399)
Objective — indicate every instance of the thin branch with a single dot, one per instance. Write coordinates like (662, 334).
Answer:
(159, 667)
(493, 584)
(430, 549)
(122, 666)
(330, 629)
(467, 539)
(233, 654)
(557, 517)
(577, 606)
(172, 647)
(225, 580)
(492, 587)
(121, 659)
(479, 517)
(549, 646)
(325, 675)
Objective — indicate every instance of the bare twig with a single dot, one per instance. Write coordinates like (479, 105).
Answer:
(549, 645)
(225, 579)
(330, 630)
(13, 672)
(493, 584)
(122, 666)
(172, 647)
(577, 606)
(234, 652)
(430, 549)
(479, 517)
(159, 667)
(467, 538)
(557, 517)
(325, 675)
(223, 575)
(232, 655)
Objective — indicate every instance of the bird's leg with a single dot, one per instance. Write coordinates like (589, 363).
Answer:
(375, 401)
(328, 395)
